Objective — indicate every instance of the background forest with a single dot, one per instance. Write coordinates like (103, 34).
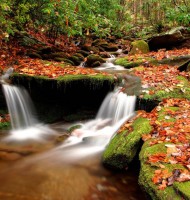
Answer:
(84, 17)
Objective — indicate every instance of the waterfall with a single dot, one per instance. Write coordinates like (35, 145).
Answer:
(116, 108)
(20, 107)
(23, 121)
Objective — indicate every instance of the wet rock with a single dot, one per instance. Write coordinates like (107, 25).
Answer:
(90, 49)
(96, 64)
(79, 55)
(61, 138)
(170, 39)
(33, 54)
(94, 60)
(70, 62)
(58, 55)
(110, 47)
(75, 59)
(105, 55)
(139, 46)
(84, 53)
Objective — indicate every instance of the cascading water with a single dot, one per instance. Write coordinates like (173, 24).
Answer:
(19, 106)
(23, 121)
(96, 134)
(109, 65)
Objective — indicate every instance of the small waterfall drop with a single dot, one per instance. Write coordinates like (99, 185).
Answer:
(23, 121)
(96, 134)
(20, 107)
(109, 65)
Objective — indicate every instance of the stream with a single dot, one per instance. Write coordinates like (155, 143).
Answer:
(41, 168)
(36, 171)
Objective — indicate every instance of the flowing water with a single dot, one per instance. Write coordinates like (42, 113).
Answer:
(23, 118)
(39, 169)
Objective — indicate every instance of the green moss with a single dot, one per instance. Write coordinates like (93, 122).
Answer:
(124, 146)
(163, 113)
(16, 77)
(5, 125)
(148, 150)
(72, 128)
(176, 191)
(127, 63)
(139, 46)
(181, 90)
(91, 81)
(183, 189)
(145, 180)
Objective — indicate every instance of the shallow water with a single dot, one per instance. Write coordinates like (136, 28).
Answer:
(39, 171)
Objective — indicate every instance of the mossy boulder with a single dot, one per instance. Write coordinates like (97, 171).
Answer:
(56, 98)
(91, 49)
(93, 58)
(75, 59)
(139, 47)
(65, 60)
(175, 191)
(128, 63)
(124, 146)
(170, 39)
(5, 125)
(59, 55)
(84, 53)
(181, 90)
(79, 55)
(109, 47)
(167, 185)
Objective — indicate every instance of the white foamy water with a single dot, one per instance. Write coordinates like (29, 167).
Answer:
(96, 134)
(23, 120)
(20, 107)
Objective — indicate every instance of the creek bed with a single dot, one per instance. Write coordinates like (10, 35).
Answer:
(39, 171)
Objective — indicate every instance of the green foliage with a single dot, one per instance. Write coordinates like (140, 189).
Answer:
(59, 16)
(84, 17)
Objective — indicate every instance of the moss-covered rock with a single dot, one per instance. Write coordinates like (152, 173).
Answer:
(91, 59)
(128, 63)
(157, 154)
(65, 94)
(124, 146)
(84, 53)
(76, 60)
(90, 49)
(175, 191)
(80, 56)
(181, 90)
(139, 46)
(183, 189)
(65, 60)
(109, 47)
(58, 55)
(5, 125)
